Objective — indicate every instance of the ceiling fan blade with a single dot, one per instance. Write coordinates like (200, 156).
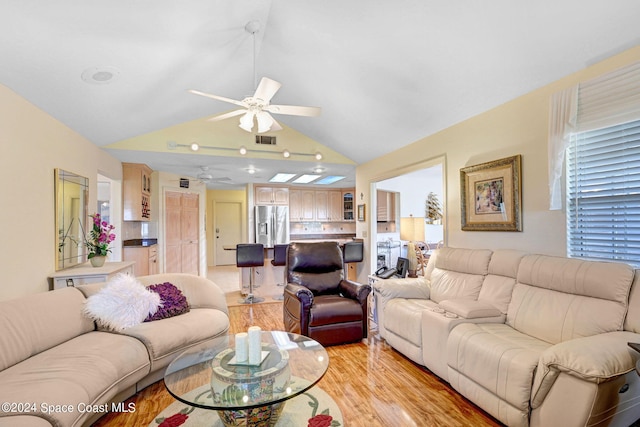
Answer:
(226, 115)
(219, 98)
(275, 126)
(294, 110)
(266, 89)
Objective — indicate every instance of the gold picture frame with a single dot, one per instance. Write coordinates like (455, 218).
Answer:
(361, 212)
(491, 195)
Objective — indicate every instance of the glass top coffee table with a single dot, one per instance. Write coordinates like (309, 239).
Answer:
(208, 377)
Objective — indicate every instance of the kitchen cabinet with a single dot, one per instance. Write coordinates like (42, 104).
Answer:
(301, 205)
(347, 205)
(328, 205)
(271, 195)
(386, 206)
(145, 259)
(136, 192)
(308, 204)
(85, 274)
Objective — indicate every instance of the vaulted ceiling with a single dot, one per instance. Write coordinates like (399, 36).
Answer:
(384, 73)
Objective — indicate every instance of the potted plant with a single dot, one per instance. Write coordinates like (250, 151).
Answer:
(432, 209)
(98, 241)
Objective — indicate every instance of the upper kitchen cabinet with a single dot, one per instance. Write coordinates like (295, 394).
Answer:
(329, 205)
(136, 192)
(271, 195)
(386, 206)
(347, 205)
(301, 204)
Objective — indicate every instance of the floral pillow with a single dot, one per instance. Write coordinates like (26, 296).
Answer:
(172, 301)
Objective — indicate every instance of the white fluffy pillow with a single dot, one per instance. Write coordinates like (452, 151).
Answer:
(122, 303)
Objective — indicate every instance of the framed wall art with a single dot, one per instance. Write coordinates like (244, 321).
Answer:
(361, 213)
(491, 195)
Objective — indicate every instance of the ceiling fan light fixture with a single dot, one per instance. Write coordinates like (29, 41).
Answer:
(264, 122)
(251, 170)
(246, 121)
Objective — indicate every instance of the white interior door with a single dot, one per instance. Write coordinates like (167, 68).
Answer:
(227, 230)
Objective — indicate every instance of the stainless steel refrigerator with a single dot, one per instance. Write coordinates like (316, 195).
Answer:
(272, 225)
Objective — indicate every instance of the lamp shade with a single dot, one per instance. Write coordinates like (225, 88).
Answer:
(412, 229)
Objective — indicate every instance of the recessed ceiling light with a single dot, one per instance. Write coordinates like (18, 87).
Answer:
(100, 75)
(306, 178)
(330, 179)
(318, 169)
(282, 177)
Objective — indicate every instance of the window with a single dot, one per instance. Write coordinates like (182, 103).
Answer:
(603, 193)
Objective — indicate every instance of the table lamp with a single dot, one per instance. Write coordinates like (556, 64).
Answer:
(412, 230)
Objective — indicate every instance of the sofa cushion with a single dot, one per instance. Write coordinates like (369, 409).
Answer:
(166, 338)
(88, 369)
(172, 301)
(497, 358)
(403, 317)
(557, 299)
(469, 309)
(122, 303)
(38, 322)
(459, 273)
(501, 278)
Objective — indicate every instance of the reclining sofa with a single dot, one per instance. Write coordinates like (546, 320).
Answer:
(59, 368)
(533, 340)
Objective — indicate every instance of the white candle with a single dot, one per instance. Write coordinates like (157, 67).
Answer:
(255, 345)
(242, 347)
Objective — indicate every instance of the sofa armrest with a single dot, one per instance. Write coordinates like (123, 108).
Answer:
(597, 358)
(402, 288)
(469, 309)
(355, 290)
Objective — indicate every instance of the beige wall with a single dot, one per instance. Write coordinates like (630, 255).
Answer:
(32, 145)
(517, 127)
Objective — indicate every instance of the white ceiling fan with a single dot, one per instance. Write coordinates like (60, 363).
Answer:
(258, 106)
(205, 177)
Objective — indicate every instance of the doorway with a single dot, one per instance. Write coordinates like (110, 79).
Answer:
(411, 189)
(227, 228)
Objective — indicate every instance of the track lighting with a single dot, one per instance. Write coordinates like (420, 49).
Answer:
(286, 154)
(243, 150)
(318, 156)
(195, 146)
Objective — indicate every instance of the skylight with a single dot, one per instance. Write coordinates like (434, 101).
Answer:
(330, 179)
(282, 177)
(305, 179)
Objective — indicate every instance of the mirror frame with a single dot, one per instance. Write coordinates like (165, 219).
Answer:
(64, 232)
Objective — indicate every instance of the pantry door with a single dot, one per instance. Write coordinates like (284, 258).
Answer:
(181, 231)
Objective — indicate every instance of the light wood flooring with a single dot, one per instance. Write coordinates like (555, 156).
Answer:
(374, 385)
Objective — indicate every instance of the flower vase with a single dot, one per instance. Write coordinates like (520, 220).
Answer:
(98, 260)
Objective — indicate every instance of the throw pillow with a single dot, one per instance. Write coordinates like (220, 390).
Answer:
(172, 301)
(122, 303)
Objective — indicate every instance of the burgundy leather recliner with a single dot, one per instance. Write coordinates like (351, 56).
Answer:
(318, 301)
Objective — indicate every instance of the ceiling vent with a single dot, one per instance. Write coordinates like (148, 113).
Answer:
(265, 140)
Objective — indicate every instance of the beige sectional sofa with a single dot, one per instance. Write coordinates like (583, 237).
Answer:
(534, 340)
(57, 367)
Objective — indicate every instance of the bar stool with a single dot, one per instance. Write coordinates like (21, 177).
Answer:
(352, 252)
(250, 255)
(280, 259)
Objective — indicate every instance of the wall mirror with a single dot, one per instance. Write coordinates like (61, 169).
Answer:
(72, 194)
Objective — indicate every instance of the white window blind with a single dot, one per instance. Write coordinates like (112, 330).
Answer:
(603, 169)
(603, 194)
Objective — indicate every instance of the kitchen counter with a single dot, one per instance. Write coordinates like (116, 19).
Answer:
(139, 242)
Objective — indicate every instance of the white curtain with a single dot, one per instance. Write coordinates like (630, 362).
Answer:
(608, 100)
(562, 121)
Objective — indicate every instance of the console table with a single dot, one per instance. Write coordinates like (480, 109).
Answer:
(84, 274)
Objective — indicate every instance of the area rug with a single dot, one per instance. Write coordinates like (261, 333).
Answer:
(314, 408)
